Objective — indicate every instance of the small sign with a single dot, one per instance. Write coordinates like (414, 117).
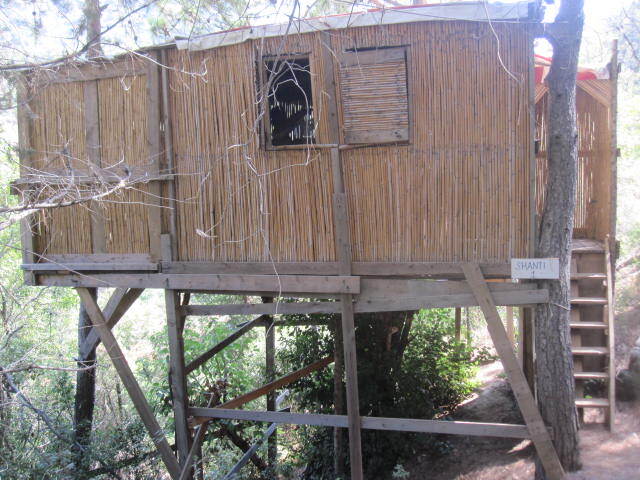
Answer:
(538, 268)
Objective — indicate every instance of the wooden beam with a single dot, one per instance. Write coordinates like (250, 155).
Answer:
(278, 308)
(537, 429)
(257, 268)
(203, 358)
(119, 303)
(177, 375)
(481, 429)
(154, 215)
(93, 152)
(382, 269)
(251, 452)
(270, 371)
(338, 399)
(105, 258)
(353, 403)
(97, 176)
(245, 446)
(212, 283)
(24, 155)
(613, 178)
(458, 324)
(609, 311)
(241, 400)
(94, 70)
(269, 387)
(388, 295)
(128, 380)
(89, 267)
(196, 446)
(169, 154)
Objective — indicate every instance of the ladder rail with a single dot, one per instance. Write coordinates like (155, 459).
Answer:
(610, 319)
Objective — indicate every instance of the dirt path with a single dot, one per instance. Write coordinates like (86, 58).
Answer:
(605, 455)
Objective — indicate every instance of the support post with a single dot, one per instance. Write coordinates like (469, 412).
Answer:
(353, 402)
(338, 399)
(270, 361)
(177, 372)
(537, 429)
(128, 380)
(85, 387)
(24, 152)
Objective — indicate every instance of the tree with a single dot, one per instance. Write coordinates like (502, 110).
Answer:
(554, 361)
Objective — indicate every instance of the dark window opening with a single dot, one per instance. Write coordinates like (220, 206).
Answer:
(290, 103)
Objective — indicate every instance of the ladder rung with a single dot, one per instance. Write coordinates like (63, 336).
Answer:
(589, 301)
(590, 375)
(585, 276)
(589, 325)
(592, 403)
(589, 350)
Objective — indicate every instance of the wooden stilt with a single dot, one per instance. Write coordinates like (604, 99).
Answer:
(270, 361)
(128, 380)
(338, 399)
(537, 429)
(351, 368)
(458, 324)
(177, 374)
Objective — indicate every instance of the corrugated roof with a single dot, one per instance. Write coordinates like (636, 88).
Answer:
(476, 11)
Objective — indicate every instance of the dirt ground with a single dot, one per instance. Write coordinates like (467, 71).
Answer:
(605, 455)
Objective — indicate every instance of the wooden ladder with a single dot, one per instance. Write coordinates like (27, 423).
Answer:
(592, 329)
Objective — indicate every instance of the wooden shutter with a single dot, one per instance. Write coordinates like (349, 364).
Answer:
(373, 86)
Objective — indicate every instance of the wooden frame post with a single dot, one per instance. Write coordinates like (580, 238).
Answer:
(177, 371)
(342, 240)
(338, 399)
(537, 429)
(353, 402)
(24, 153)
(177, 375)
(270, 371)
(128, 380)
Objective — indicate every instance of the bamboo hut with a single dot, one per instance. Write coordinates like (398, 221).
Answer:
(355, 158)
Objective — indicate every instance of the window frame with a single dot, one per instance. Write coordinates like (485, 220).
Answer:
(405, 48)
(265, 132)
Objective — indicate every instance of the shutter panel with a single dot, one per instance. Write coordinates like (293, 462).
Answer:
(373, 87)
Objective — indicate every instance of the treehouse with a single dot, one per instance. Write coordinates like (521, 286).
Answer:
(353, 157)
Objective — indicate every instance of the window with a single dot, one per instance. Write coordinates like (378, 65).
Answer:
(289, 103)
(374, 91)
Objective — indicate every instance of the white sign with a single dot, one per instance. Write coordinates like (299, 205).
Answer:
(545, 268)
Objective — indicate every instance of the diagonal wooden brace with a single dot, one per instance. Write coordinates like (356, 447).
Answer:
(120, 301)
(128, 380)
(527, 404)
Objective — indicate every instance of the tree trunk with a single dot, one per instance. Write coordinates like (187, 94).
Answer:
(92, 14)
(554, 361)
(85, 390)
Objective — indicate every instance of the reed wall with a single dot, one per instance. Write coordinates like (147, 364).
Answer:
(460, 188)
(593, 189)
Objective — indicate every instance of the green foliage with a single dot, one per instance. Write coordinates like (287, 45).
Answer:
(425, 378)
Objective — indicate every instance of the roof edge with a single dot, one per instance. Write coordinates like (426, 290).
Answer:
(476, 11)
